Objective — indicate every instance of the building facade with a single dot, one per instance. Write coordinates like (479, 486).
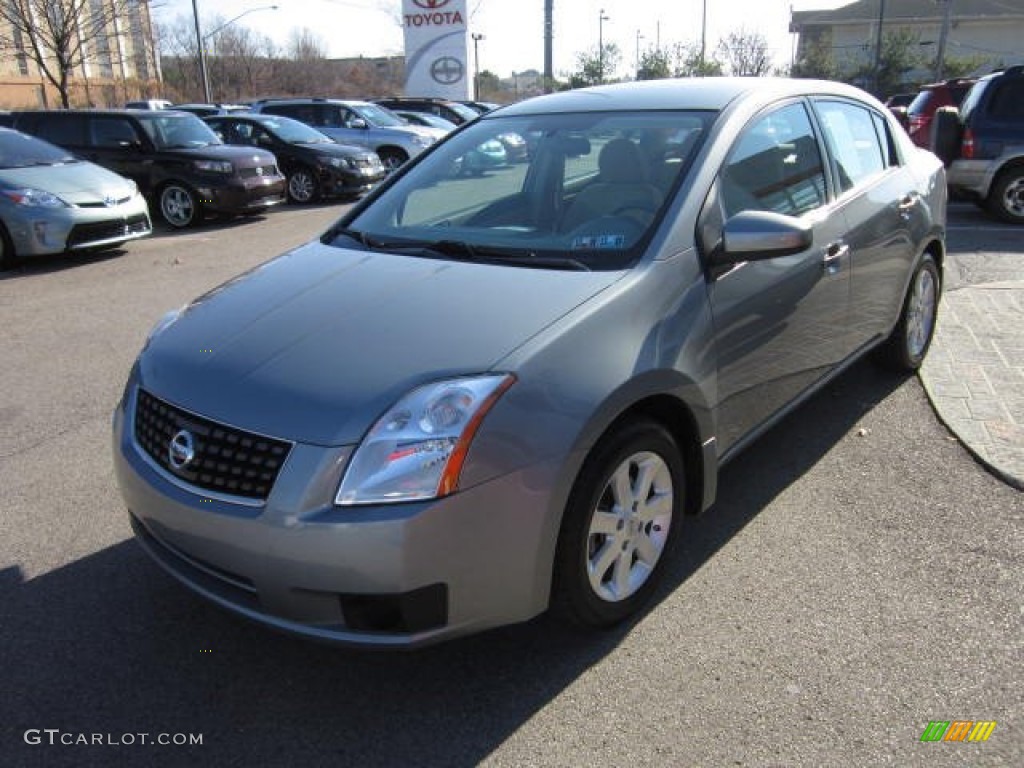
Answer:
(989, 31)
(118, 60)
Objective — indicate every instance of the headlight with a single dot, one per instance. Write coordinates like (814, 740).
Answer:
(215, 166)
(417, 448)
(34, 198)
(422, 141)
(341, 162)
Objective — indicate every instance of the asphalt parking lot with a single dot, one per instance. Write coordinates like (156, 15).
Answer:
(860, 576)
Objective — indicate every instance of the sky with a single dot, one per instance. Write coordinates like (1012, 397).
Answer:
(513, 31)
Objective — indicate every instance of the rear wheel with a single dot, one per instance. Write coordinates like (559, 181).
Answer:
(302, 186)
(1006, 198)
(179, 206)
(906, 347)
(619, 527)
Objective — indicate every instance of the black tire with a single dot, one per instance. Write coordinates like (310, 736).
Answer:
(1006, 198)
(907, 345)
(946, 134)
(303, 186)
(392, 159)
(8, 258)
(586, 542)
(179, 206)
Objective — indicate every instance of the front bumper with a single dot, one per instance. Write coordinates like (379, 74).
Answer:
(235, 195)
(342, 181)
(398, 575)
(41, 231)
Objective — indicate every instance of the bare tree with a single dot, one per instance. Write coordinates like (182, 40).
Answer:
(746, 54)
(60, 36)
(305, 45)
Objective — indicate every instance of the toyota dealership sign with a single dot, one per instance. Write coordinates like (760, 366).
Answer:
(436, 48)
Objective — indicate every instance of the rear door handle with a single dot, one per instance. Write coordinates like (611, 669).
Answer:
(834, 255)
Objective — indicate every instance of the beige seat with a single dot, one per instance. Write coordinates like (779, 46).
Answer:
(622, 188)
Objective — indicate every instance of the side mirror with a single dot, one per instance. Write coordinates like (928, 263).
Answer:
(357, 122)
(758, 235)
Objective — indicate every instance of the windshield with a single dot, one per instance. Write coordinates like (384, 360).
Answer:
(293, 132)
(20, 151)
(379, 116)
(586, 192)
(178, 131)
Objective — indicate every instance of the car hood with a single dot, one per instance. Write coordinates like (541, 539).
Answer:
(315, 345)
(335, 150)
(76, 183)
(242, 157)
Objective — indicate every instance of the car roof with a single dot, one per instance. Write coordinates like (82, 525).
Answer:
(705, 93)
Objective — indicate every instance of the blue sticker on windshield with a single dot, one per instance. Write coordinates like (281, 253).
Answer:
(597, 242)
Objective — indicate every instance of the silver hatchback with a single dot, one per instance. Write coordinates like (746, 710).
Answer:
(477, 398)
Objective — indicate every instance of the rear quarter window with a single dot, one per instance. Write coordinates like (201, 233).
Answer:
(1008, 100)
(63, 130)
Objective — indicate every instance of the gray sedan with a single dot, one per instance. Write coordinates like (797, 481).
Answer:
(476, 399)
(51, 202)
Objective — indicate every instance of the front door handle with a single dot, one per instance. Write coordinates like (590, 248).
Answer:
(906, 205)
(834, 255)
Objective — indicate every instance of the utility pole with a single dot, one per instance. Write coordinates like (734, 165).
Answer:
(549, 74)
(639, 37)
(477, 37)
(940, 56)
(878, 45)
(703, 36)
(203, 75)
(601, 19)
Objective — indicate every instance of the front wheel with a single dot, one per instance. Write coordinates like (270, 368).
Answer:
(179, 206)
(906, 347)
(1006, 199)
(620, 524)
(302, 186)
(392, 159)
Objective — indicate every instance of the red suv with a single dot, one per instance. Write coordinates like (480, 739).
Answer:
(946, 94)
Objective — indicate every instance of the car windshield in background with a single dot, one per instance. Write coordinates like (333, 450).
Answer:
(178, 131)
(293, 132)
(20, 151)
(594, 185)
(379, 116)
(466, 113)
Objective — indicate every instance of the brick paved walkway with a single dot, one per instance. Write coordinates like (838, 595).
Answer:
(974, 373)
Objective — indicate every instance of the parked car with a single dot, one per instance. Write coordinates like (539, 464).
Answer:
(480, 107)
(471, 400)
(149, 104)
(983, 145)
(426, 119)
(208, 110)
(358, 123)
(948, 93)
(174, 157)
(51, 202)
(451, 111)
(313, 163)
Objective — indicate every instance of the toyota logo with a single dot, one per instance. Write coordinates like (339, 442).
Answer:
(182, 450)
(446, 70)
(430, 5)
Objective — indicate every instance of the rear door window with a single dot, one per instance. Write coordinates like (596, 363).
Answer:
(63, 130)
(1008, 100)
(857, 153)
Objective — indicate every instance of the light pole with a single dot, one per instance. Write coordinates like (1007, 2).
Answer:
(477, 37)
(201, 41)
(639, 37)
(601, 19)
(703, 36)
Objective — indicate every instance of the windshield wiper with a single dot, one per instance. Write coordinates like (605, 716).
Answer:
(459, 249)
(352, 234)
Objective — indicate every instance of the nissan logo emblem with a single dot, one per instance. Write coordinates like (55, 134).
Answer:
(181, 450)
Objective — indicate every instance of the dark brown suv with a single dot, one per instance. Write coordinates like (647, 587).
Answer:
(949, 93)
(178, 162)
